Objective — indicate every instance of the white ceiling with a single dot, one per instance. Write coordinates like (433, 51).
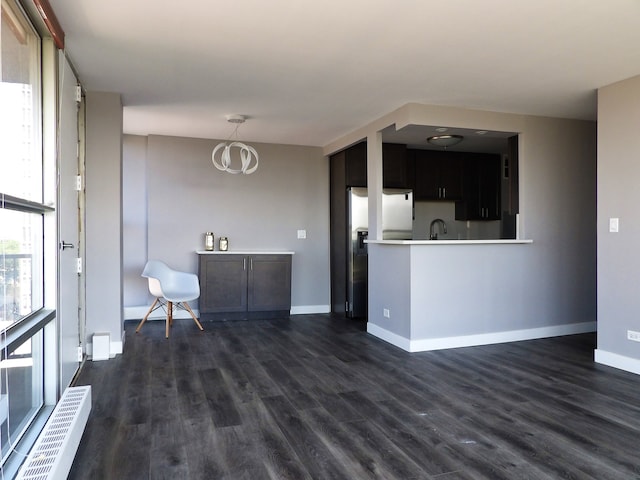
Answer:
(308, 71)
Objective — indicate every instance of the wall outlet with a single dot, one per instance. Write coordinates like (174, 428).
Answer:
(633, 336)
(614, 225)
(386, 313)
(302, 234)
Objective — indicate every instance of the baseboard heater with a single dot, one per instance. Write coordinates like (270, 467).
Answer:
(52, 455)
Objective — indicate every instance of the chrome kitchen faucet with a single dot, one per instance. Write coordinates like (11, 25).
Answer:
(433, 235)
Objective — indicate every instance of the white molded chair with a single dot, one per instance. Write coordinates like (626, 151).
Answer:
(170, 287)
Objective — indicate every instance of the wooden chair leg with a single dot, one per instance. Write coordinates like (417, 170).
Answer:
(146, 316)
(169, 318)
(195, 319)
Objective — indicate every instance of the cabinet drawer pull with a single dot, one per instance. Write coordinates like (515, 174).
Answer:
(244, 263)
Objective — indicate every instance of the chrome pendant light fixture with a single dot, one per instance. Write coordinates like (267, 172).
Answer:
(248, 154)
(445, 140)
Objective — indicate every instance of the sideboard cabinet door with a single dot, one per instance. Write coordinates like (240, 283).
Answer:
(269, 286)
(223, 283)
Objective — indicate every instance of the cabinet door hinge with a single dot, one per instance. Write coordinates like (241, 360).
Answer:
(78, 93)
(78, 183)
(78, 265)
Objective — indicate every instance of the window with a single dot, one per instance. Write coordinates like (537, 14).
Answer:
(20, 264)
(25, 224)
(21, 179)
(21, 182)
(20, 145)
(21, 393)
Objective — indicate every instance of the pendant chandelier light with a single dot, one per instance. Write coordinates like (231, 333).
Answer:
(248, 155)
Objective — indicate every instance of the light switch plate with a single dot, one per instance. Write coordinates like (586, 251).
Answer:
(614, 224)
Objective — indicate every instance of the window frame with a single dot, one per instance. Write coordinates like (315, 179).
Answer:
(41, 323)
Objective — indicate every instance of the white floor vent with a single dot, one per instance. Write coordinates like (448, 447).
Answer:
(52, 455)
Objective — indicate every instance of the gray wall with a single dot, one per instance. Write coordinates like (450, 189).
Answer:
(185, 196)
(456, 229)
(619, 197)
(103, 262)
(390, 286)
(557, 211)
(134, 218)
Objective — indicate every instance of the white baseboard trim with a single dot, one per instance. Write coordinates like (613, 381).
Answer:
(390, 337)
(427, 344)
(136, 313)
(307, 309)
(615, 360)
(116, 347)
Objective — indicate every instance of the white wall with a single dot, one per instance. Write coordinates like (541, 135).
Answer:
(103, 263)
(185, 196)
(619, 197)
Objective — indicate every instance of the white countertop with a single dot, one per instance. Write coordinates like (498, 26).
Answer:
(447, 242)
(244, 252)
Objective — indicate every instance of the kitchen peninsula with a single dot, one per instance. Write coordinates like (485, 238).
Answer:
(430, 295)
(458, 291)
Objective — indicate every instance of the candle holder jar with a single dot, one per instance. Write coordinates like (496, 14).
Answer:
(208, 241)
(223, 244)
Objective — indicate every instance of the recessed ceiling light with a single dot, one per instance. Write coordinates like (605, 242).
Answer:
(481, 132)
(441, 129)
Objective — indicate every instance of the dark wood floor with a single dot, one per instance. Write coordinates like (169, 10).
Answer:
(315, 397)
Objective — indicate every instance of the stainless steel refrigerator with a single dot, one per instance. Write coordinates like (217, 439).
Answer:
(397, 224)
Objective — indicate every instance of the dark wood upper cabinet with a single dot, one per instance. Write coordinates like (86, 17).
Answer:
(355, 162)
(438, 175)
(482, 175)
(394, 166)
(395, 172)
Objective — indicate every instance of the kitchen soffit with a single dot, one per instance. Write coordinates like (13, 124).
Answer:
(415, 136)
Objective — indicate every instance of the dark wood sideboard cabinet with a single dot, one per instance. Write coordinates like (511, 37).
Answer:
(244, 286)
